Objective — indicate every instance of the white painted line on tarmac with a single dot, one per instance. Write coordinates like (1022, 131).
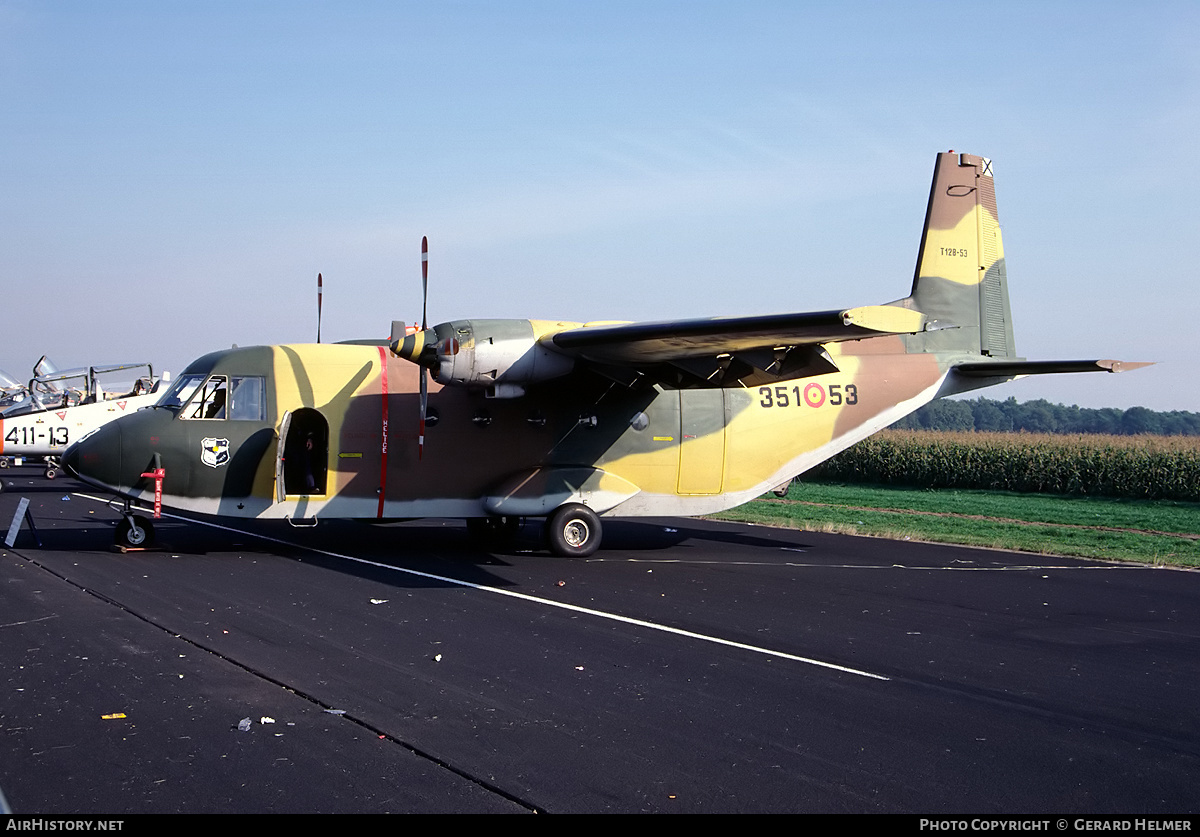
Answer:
(599, 614)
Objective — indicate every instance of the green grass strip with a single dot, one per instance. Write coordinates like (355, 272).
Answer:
(1156, 532)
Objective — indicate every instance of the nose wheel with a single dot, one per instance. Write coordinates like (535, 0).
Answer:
(134, 532)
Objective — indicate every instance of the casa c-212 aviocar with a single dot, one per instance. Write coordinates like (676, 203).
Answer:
(571, 422)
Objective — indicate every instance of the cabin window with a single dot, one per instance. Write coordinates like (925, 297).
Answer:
(248, 402)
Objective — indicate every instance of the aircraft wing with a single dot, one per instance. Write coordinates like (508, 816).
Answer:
(706, 352)
(508, 354)
(675, 339)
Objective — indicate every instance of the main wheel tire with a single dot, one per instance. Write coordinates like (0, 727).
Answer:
(136, 533)
(51, 473)
(573, 531)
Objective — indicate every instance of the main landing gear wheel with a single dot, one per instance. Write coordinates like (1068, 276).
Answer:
(573, 531)
(51, 472)
(136, 532)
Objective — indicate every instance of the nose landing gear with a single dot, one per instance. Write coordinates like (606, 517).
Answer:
(135, 532)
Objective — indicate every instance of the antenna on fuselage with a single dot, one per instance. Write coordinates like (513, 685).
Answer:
(319, 308)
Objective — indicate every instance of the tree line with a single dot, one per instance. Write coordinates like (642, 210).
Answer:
(1040, 416)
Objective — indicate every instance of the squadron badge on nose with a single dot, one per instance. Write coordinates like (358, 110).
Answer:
(214, 452)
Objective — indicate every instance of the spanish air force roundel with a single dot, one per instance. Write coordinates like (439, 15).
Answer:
(214, 452)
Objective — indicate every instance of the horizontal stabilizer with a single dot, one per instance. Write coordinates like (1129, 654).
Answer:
(1011, 369)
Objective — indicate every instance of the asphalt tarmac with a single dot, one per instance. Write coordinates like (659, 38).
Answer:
(690, 666)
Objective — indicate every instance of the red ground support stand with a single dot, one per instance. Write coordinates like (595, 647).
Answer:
(158, 474)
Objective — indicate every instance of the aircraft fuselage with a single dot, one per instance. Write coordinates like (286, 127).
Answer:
(352, 447)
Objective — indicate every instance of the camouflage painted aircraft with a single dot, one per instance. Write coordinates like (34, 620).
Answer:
(572, 422)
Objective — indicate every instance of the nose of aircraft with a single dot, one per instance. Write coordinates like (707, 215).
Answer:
(96, 458)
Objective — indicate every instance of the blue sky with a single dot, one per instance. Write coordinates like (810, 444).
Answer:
(174, 175)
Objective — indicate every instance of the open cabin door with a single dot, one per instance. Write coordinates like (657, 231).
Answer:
(301, 458)
(280, 482)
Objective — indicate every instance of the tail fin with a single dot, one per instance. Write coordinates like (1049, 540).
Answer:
(960, 280)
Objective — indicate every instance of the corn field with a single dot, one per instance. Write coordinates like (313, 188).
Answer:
(1135, 467)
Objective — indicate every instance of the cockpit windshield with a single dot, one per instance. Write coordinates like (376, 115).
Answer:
(180, 391)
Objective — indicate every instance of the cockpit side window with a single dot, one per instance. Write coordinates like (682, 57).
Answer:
(210, 401)
(236, 397)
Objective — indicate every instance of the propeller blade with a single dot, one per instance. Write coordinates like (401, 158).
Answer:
(424, 407)
(424, 326)
(424, 280)
(318, 308)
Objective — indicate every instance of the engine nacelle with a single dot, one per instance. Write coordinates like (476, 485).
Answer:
(498, 355)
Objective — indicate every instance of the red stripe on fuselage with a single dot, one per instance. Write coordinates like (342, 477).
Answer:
(384, 436)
